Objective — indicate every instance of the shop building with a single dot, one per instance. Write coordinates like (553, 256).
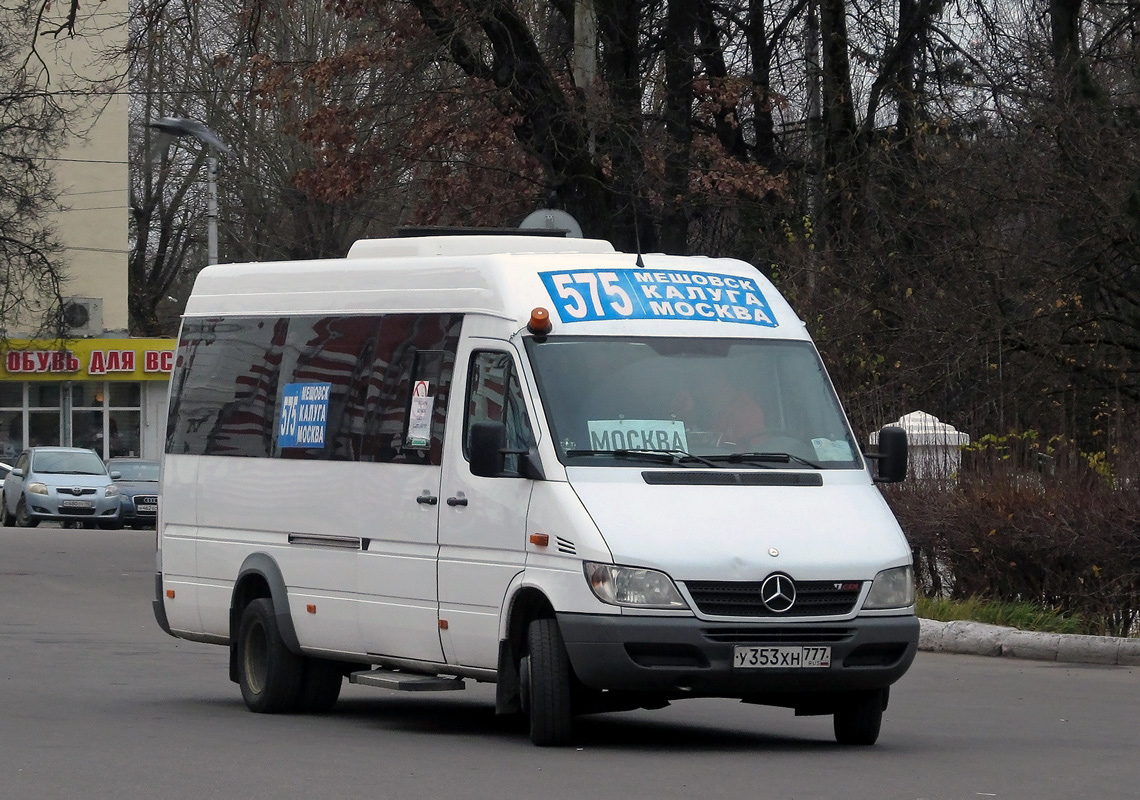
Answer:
(99, 389)
(108, 394)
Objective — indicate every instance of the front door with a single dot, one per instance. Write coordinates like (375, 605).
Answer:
(482, 521)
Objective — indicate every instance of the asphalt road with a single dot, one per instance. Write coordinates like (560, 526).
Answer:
(96, 702)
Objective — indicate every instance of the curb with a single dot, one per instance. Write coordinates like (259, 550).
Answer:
(980, 639)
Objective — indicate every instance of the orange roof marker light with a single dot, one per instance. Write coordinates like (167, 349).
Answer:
(539, 324)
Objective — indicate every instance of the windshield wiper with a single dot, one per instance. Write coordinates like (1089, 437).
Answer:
(660, 456)
(761, 459)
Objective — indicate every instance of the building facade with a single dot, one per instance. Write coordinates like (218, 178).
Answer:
(108, 394)
(102, 389)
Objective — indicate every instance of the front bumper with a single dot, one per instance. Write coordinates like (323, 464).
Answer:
(690, 657)
(52, 507)
(132, 515)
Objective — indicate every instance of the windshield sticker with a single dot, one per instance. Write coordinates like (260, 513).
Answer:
(832, 449)
(304, 415)
(637, 434)
(592, 295)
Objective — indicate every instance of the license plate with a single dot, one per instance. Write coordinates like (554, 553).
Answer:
(788, 657)
(76, 504)
(147, 508)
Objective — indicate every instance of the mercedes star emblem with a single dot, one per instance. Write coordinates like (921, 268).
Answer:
(778, 593)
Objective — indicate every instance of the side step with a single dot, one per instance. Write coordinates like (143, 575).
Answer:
(406, 681)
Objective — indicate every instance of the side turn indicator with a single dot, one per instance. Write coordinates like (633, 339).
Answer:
(540, 539)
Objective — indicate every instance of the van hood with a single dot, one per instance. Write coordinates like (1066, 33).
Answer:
(840, 530)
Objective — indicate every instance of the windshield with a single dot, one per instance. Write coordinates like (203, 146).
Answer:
(135, 470)
(68, 463)
(627, 402)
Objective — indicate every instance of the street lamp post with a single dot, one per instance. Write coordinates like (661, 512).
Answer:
(178, 127)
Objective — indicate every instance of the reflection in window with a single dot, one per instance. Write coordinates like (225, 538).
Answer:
(230, 373)
(495, 394)
(11, 434)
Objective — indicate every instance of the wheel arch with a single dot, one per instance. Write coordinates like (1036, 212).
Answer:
(260, 576)
(526, 604)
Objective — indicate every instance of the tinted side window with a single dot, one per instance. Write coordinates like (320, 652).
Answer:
(415, 357)
(224, 390)
(239, 383)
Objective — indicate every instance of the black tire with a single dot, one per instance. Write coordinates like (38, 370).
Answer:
(269, 673)
(5, 518)
(111, 526)
(547, 684)
(857, 722)
(320, 686)
(23, 518)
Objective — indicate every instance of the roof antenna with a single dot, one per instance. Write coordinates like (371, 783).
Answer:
(637, 237)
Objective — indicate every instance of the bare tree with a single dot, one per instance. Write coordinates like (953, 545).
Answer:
(32, 126)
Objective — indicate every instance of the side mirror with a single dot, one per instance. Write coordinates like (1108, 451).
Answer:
(116, 475)
(892, 455)
(17, 473)
(488, 452)
(487, 443)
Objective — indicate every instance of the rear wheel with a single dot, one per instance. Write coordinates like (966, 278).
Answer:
(23, 518)
(269, 673)
(858, 721)
(547, 683)
(320, 686)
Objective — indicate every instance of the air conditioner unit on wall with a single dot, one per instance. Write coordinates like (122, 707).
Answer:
(83, 316)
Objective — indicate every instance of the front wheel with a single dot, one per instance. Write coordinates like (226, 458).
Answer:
(23, 518)
(858, 721)
(547, 683)
(269, 673)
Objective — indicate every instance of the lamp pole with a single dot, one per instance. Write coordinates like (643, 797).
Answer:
(212, 210)
(179, 127)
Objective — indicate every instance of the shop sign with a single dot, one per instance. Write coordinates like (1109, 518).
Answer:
(110, 359)
(37, 361)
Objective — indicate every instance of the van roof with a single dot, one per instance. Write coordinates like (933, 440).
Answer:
(507, 277)
(471, 245)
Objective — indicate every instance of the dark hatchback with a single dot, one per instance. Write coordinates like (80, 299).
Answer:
(138, 486)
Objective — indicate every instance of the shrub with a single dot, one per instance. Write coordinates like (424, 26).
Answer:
(1027, 522)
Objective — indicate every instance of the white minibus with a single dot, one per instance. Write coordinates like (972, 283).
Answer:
(598, 480)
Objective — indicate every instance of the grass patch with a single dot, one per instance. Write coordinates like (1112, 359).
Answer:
(1023, 616)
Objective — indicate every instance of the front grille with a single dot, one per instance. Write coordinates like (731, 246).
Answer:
(75, 491)
(742, 598)
(146, 499)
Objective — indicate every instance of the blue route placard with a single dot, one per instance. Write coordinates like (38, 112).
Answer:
(589, 295)
(304, 415)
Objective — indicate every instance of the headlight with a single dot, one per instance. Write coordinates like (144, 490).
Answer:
(37, 488)
(112, 491)
(892, 588)
(632, 586)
